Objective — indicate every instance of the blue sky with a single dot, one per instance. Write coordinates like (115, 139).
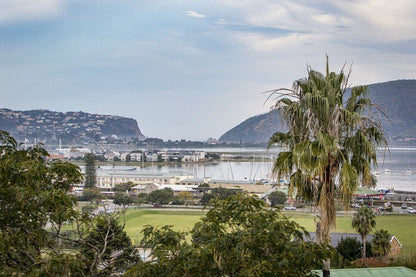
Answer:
(191, 69)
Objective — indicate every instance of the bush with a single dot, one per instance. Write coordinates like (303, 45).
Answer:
(370, 262)
(408, 261)
(178, 202)
(349, 248)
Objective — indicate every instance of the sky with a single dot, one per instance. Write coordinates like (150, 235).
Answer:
(191, 69)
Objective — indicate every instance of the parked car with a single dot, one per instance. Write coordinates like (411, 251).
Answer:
(404, 206)
(411, 210)
(289, 208)
(355, 206)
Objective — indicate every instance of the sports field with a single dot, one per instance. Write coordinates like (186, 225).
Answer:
(402, 226)
(182, 220)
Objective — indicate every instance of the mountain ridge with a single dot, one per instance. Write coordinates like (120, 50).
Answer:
(397, 98)
(69, 127)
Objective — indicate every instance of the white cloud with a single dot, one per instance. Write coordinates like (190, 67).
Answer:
(195, 14)
(24, 10)
(381, 20)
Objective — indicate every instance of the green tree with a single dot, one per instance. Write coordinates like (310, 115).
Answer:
(364, 221)
(217, 193)
(142, 198)
(238, 236)
(124, 187)
(277, 197)
(32, 193)
(106, 249)
(161, 196)
(122, 198)
(332, 142)
(349, 248)
(90, 170)
(92, 194)
(381, 242)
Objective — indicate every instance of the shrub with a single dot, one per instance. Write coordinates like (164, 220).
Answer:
(349, 248)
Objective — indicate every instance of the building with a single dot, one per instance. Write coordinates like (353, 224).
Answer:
(108, 177)
(177, 189)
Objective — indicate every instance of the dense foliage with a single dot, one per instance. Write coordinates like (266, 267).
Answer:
(216, 193)
(161, 196)
(32, 193)
(349, 248)
(277, 198)
(238, 236)
(34, 208)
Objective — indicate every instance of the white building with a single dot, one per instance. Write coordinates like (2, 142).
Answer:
(108, 177)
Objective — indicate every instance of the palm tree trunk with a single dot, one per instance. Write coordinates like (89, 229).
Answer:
(322, 235)
(326, 206)
(364, 246)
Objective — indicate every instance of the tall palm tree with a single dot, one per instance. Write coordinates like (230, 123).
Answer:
(332, 140)
(364, 221)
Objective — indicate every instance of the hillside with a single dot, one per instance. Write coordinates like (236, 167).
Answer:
(397, 98)
(72, 127)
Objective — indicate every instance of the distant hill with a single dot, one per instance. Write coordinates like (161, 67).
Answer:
(397, 98)
(72, 127)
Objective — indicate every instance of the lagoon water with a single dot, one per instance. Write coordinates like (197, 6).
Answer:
(396, 169)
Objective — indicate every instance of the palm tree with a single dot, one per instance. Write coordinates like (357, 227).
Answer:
(364, 221)
(381, 242)
(332, 141)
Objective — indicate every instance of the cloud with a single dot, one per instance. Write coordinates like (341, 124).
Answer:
(195, 14)
(380, 20)
(25, 10)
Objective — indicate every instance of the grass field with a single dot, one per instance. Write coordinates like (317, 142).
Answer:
(402, 226)
(181, 220)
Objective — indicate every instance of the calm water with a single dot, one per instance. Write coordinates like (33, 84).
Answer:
(396, 169)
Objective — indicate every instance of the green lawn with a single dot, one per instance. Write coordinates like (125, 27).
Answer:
(402, 226)
(181, 220)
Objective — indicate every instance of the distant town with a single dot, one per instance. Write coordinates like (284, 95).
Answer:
(50, 127)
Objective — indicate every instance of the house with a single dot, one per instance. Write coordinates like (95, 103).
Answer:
(395, 247)
(177, 189)
(151, 156)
